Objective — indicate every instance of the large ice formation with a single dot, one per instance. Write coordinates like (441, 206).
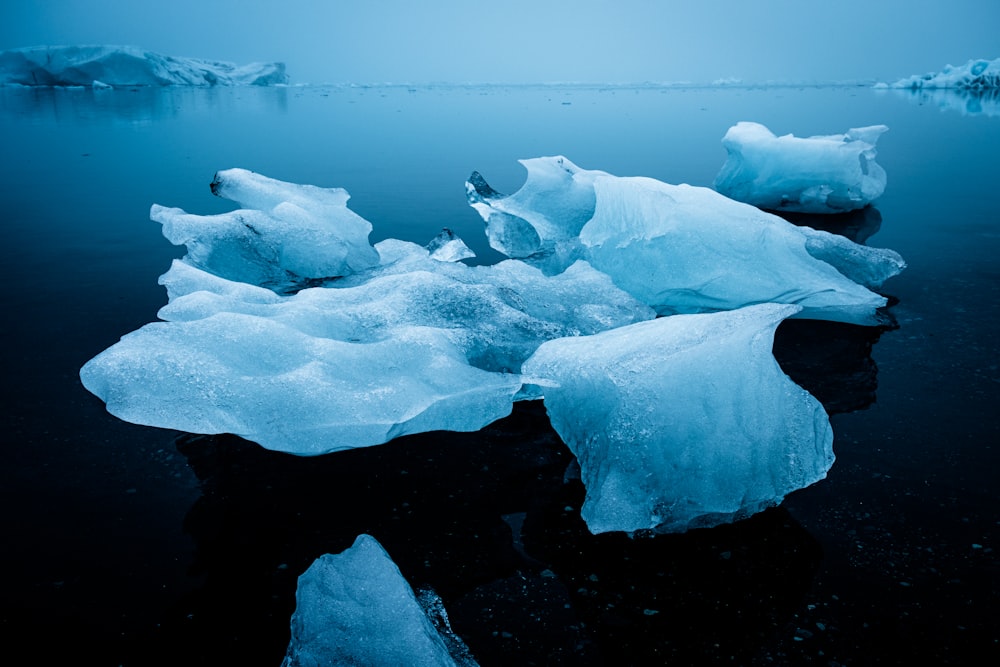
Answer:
(679, 248)
(973, 75)
(821, 174)
(104, 66)
(355, 608)
(684, 421)
(286, 326)
(409, 344)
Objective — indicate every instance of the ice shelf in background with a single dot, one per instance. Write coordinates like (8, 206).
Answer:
(120, 66)
(973, 75)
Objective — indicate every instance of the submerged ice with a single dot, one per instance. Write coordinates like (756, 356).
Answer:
(356, 608)
(112, 66)
(684, 421)
(821, 174)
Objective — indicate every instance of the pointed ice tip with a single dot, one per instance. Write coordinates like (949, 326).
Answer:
(483, 188)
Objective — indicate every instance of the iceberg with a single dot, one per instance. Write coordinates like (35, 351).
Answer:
(820, 174)
(115, 66)
(974, 75)
(355, 608)
(684, 249)
(684, 421)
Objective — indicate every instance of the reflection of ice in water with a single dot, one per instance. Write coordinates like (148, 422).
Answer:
(963, 100)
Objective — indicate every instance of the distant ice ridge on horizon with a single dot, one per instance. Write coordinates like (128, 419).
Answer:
(973, 75)
(356, 608)
(820, 174)
(105, 66)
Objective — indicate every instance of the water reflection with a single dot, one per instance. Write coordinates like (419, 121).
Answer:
(137, 105)
(968, 102)
(491, 522)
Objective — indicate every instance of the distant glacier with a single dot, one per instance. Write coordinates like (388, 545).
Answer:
(114, 66)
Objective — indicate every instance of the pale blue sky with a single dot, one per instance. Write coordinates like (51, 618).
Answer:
(372, 41)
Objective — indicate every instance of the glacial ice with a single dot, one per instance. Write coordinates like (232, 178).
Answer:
(269, 382)
(410, 343)
(973, 75)
(821, 174)
(114, 66)
(447, 247)
(684, 421)
(285, 326)
(285, 234)
(356, 608)
(686, 249)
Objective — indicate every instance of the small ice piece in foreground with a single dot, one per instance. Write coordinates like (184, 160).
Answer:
(111, 66)
(973, 75)
(447, 247)
(821, 174)
(285, 233)
(293, 392)
(684, 421)
(686, 249)
(355, 608)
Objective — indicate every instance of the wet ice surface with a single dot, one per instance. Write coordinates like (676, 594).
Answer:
(884, 562)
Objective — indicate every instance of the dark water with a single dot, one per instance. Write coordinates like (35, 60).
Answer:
(130, 545)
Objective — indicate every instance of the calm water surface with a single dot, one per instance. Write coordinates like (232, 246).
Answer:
(130, 545)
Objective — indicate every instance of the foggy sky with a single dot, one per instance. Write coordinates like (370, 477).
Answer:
(527, 41)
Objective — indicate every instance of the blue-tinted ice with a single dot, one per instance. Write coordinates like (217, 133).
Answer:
(355, 608)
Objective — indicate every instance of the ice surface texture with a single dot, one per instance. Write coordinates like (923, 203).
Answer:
(104, 66)
(679, 248)
(822, 174)
(285, 326)
(684, 421)
(355, 608)
(973, 75)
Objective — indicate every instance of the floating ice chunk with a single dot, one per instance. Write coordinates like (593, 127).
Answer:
(447, 247)
(550, 208)
(289, 391)
(973, 75)
(685, 249)
(684, 421)
(286, 233)
(821, 174)
(127, 66)
(355, 608)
